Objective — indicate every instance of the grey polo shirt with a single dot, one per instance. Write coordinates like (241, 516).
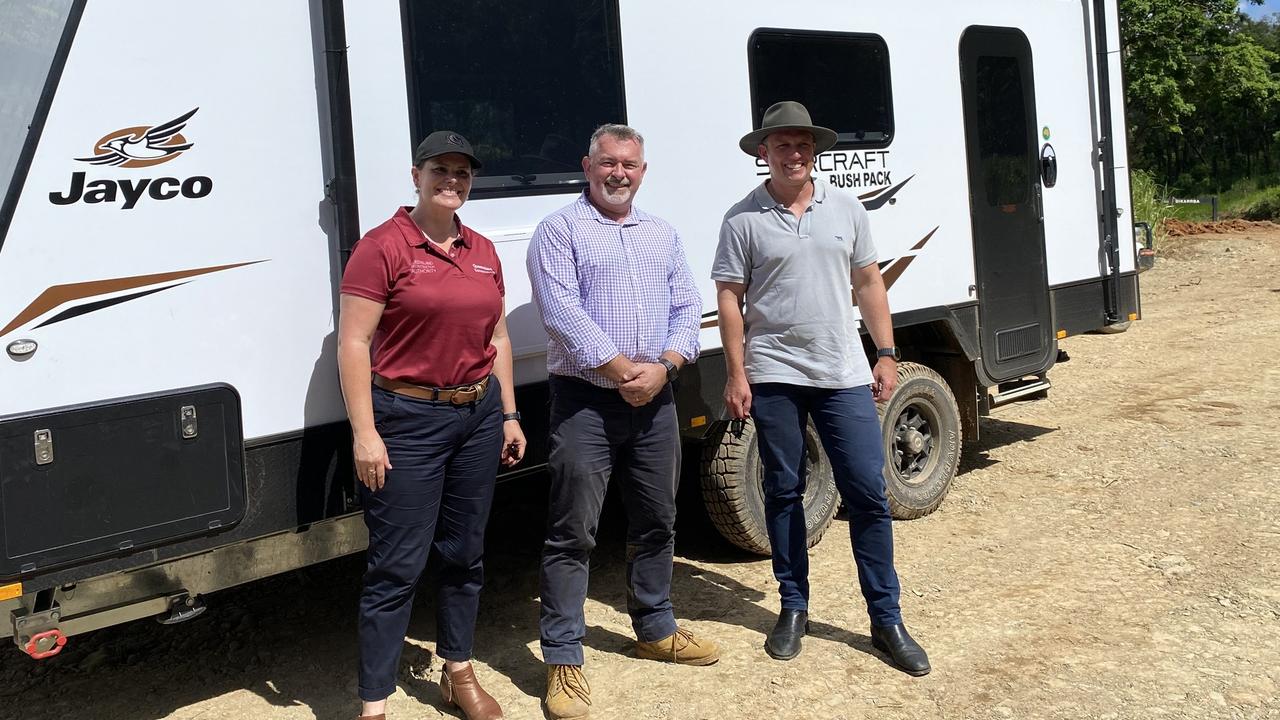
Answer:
(800, 326)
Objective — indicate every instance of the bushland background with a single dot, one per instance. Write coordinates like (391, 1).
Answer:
(1202, 90)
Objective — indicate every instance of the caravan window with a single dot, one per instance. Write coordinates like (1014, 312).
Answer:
(28, 41)
(525, 81)
(1002, 131)
(842, 78)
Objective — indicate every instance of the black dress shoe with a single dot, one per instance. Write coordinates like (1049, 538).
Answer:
(898, 645)
(783, 642)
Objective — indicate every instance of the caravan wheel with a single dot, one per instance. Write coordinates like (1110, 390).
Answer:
(731, 476)
(921, 426)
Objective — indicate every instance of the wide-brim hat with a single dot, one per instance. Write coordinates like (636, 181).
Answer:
(443, 142)
(787, 115)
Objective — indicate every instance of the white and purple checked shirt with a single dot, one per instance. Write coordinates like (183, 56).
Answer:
(606, 288)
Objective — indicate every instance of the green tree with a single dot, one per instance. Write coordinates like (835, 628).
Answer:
(1202, 90)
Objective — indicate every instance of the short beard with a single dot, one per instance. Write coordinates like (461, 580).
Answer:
(616, 198)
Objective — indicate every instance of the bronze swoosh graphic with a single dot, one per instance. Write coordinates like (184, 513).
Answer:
(61, 294)
(899, 266)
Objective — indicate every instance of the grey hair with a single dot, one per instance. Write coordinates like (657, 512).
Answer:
(615, 131)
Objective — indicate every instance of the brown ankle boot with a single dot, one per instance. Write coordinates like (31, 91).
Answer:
(460, 688)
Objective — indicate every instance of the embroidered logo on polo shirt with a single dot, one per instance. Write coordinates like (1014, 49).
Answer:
(483, 269)
(422, 266)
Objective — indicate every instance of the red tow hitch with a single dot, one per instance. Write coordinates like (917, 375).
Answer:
(45, 644)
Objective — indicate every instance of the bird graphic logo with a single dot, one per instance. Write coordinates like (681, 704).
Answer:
(142, 146)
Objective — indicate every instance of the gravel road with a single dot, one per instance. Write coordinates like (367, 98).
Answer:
(1109, 552)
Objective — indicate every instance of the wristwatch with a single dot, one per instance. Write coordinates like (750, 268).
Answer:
(511, 416)
(672, 371)
(889, 352)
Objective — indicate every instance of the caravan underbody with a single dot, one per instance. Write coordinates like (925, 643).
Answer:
(171, 422)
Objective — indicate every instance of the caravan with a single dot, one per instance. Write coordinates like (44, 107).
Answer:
(181, 189)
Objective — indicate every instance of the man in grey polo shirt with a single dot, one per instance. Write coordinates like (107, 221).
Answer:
(792, 249)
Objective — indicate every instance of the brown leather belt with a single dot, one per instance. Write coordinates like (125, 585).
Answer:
(460, 395)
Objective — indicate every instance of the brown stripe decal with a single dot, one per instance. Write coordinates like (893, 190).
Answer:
(61, 294)
(920, 245)
(894, 271)
(899, 266)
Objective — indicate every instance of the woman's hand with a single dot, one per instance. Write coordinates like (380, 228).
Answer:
(513, 442)
(371, 460)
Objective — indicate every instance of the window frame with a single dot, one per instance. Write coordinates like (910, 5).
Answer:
(873, 38)
(613, 32)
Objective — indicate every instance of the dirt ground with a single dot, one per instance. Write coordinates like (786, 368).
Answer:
(1109, 552)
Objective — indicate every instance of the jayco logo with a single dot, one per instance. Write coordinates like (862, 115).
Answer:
(136, 147)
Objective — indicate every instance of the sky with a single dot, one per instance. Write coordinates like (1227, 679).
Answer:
(1257, 11)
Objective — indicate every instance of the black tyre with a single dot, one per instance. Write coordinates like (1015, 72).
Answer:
(732, 473)
(921, 427)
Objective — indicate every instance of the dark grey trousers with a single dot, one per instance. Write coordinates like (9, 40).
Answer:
(594, 431)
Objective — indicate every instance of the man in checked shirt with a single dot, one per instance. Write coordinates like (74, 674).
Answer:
(622, 314)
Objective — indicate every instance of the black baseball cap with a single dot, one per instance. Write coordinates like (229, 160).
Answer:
(443, 142)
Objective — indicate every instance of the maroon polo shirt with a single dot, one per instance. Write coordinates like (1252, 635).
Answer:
(441, 308)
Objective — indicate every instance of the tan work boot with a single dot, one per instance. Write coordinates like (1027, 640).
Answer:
(568, 694)
(682, 648)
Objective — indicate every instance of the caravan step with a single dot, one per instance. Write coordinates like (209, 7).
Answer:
(1027, 389)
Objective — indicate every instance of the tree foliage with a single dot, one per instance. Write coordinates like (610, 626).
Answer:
(1203, 91)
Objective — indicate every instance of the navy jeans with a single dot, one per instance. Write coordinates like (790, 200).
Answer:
(593, 430)
(850, 431)
(437, 496)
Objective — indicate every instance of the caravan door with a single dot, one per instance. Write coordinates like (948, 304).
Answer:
(1016, 332)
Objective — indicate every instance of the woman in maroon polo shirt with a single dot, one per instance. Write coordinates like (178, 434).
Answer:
(422, 316)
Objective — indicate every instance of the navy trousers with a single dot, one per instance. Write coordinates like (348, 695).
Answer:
(593, 432)
(437, 496)
(850, 431)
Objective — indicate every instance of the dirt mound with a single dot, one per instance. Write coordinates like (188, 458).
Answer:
(1179, 228)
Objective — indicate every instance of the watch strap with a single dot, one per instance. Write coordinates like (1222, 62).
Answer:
(511, 416)
(672, 370)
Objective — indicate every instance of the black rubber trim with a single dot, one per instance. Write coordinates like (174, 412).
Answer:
(1110, 228)
(342, 186)
(36, 129)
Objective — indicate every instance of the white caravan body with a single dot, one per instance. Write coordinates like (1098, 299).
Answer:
(177, 217)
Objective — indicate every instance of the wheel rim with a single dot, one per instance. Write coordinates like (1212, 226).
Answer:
(912, 448)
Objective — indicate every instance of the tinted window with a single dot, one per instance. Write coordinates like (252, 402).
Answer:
(525, 81)
(29, 34)
(1002, 131)
(842, 78)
